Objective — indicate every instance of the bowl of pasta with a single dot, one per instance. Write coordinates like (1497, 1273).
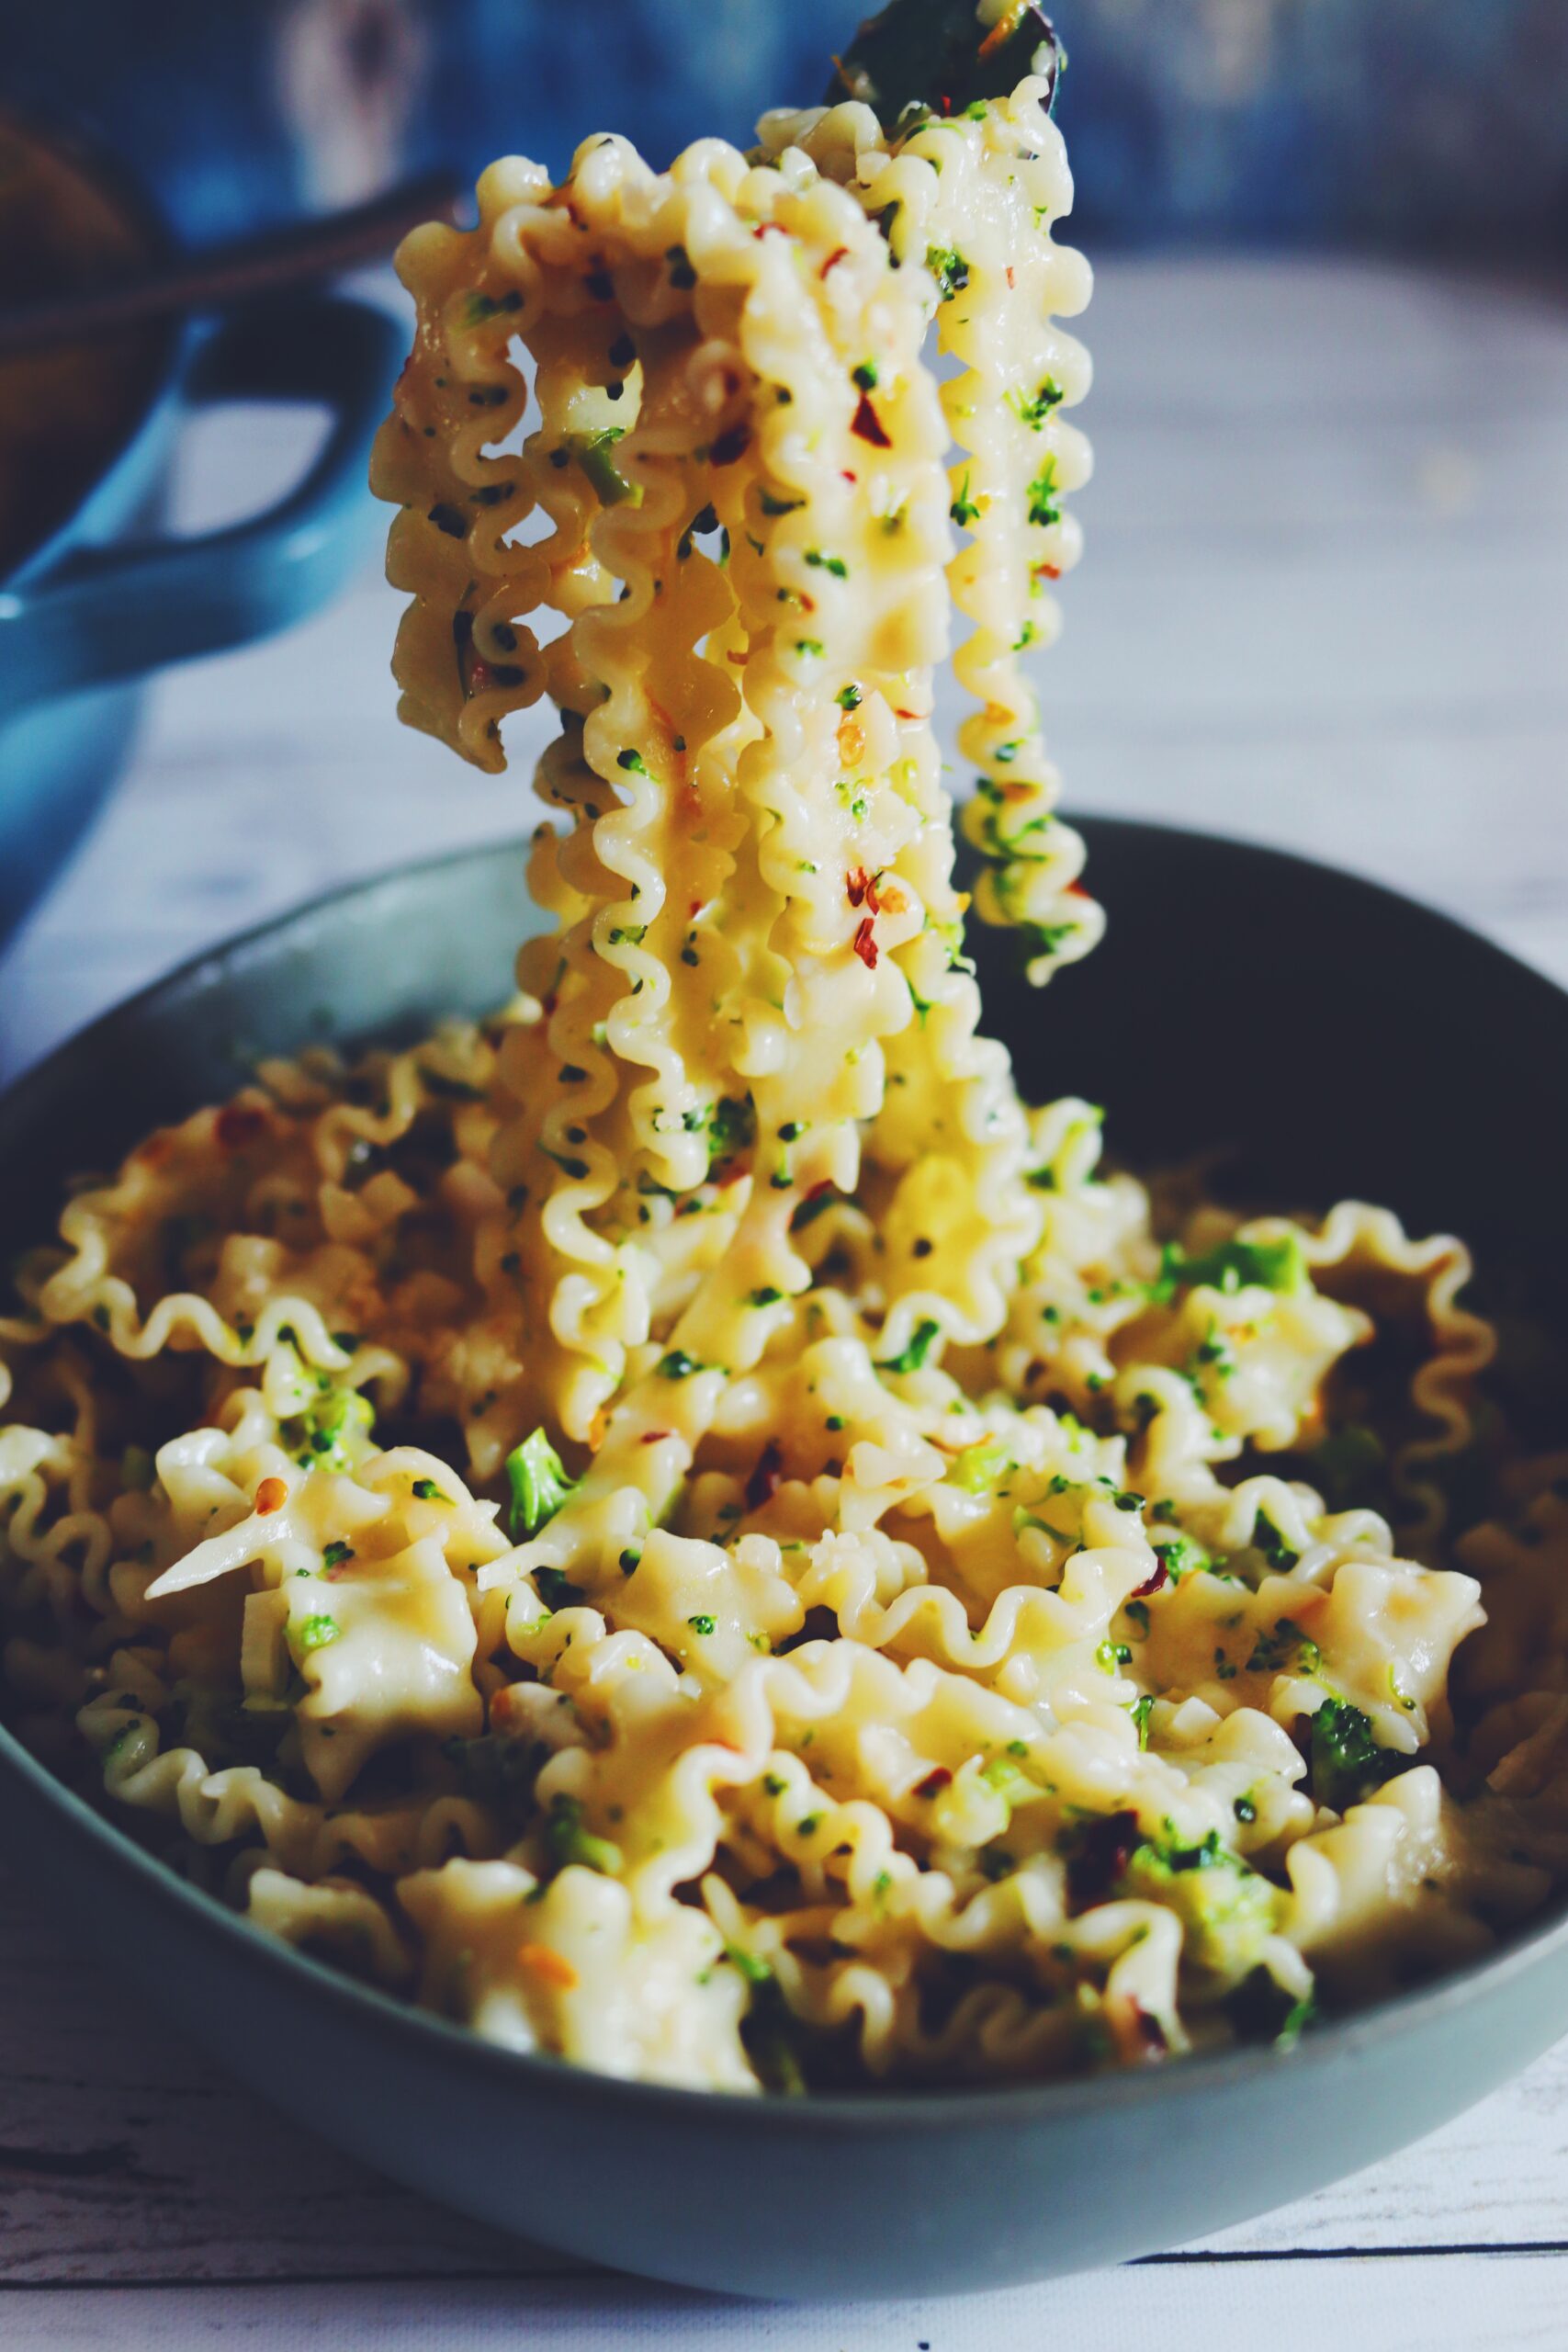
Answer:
(646, 1569)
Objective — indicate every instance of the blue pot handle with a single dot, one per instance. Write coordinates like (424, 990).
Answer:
(111, 613)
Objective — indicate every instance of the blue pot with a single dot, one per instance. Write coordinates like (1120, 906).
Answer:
(106, 598)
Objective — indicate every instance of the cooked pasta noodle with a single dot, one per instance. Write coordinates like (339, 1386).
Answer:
(683, 1525)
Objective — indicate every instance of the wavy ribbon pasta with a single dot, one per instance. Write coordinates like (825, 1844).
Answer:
(684, 1525)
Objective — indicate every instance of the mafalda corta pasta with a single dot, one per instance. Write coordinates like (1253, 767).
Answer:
(684, 1525)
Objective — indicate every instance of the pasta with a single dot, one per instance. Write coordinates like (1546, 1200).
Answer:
(683, 1525)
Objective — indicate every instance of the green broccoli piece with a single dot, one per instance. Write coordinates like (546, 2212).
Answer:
(539, 1485)
(331, 1425)
(1234, 1265)
(911, 1358)
(1346, 1761)
(1227, 1910)
(592, 451)
(570, 1841)
(1282, 1644)
(732, 1128)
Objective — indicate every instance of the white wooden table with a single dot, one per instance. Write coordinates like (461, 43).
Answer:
(1325, 603)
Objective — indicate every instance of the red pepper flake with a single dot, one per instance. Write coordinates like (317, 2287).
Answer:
(1074, 890)
(238, 1126)
(848, 476)
(865, 944)
(652, 1437)
(1009, 274)
(838, 254)
(771, 229)
(862, 885)
(868, 425)
(936, 1779)
(1105, 1848)
(271, 1494)
(694, 908)
(1151, 1584)
(764, 1482)
(731, 444)
(1045, 570)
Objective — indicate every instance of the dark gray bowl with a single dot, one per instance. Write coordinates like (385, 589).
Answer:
(1350, 1042)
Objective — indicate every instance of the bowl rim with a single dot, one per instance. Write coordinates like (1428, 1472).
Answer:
(1338, 2041)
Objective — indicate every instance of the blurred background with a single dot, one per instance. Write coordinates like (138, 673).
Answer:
(1425, 124)
(1325, 594)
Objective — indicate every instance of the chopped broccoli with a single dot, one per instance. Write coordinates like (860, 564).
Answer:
(556, 1589)
(539, 1485)
(1267, 1539)
(315, 1633)
(732, 1126)
(1345, 1759)
(1042, 506)
(1181, 1557)
(570, 1841)
(981, 1466)
(1034, 408)
(949, 268)
(1280, 1645)
(911, 1358)
(1234, 1265)
(593, 452)
(1227, 1909)
(330, 1426)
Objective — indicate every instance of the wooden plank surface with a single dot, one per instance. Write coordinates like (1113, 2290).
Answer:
(1325, 603)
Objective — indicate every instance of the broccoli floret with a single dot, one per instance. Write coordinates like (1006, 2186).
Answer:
(911, 1358)
(539, 1485)
(1234, 1265)
(331, 1427)
(1345, 1759)
(1227, 1909)
(732, 1128)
